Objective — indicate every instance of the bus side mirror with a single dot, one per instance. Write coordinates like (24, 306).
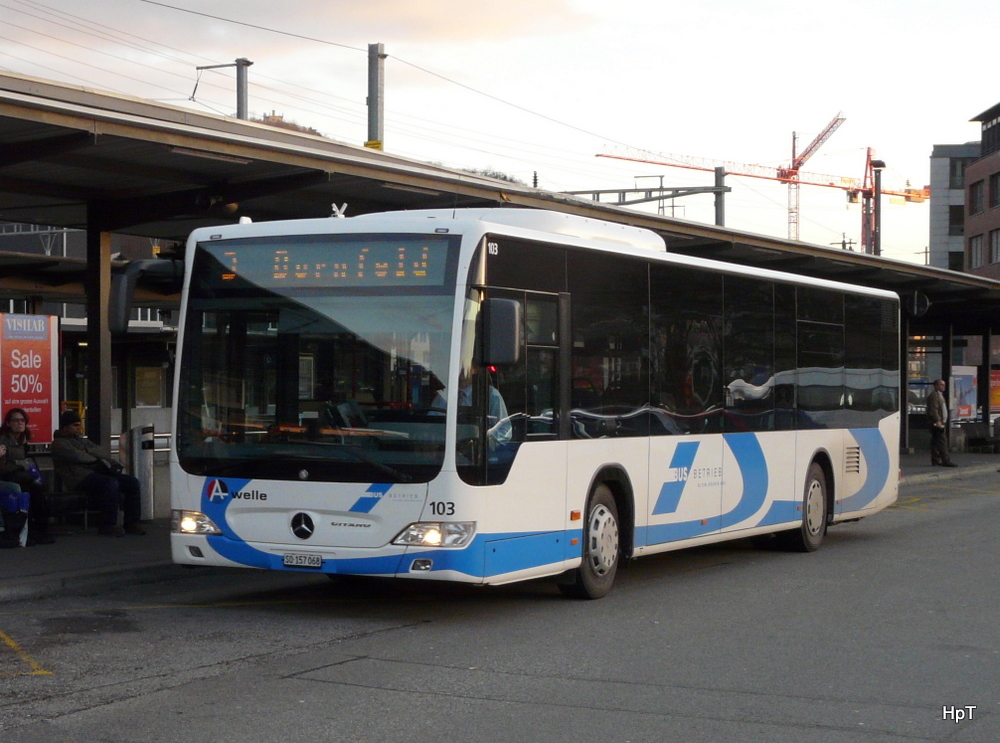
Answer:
(502, 332)
(169, 272)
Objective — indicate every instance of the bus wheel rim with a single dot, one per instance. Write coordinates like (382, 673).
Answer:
(814, 507)
(603, 540)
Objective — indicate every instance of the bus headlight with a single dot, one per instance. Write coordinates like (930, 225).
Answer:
(192, 522)
(437, 534)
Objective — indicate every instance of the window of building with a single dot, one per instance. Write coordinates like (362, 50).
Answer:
(991, 136)
(976, 251)
(976, 197)
(994, 246)
(149, 387)
(956, 260)
(956, 171)
(956, 220)
(994, 196)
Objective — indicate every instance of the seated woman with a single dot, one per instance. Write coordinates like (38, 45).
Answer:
(16, 467)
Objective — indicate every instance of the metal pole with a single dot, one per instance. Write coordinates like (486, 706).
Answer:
(376, 91)
(241, 88)
(720, 197)
(877, 236)
(947, 351)
(904, 382)
(983, 386)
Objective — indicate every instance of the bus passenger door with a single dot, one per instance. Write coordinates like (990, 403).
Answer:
(530, 461)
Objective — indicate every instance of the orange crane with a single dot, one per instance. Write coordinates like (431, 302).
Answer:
(858, 189)
(792, 172)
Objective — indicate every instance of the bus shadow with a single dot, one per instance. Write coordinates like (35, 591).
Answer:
(376, 597)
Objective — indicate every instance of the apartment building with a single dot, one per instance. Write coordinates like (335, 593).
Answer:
(947, 205)
(982, 196)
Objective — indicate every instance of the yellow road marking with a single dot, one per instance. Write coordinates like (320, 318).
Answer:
(916, 504)
(36, 670)
(977, 491)
(160, 607)
(911, 504)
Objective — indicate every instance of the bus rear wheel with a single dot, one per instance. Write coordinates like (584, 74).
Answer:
(601, 548)
(809, 536)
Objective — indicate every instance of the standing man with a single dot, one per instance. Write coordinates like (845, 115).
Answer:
(937, 414)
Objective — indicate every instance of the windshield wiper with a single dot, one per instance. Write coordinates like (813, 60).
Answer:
(377, 465)
(352, 451)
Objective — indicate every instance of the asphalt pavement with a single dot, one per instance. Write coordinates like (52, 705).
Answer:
(81, 561)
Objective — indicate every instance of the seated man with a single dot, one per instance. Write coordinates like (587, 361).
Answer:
(85, 466)
(499, 429)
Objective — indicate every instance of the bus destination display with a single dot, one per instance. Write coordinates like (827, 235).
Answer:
(419, 260)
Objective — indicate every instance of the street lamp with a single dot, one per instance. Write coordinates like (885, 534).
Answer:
(877, 167)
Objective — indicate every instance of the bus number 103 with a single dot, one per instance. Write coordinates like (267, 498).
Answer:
(441, 508)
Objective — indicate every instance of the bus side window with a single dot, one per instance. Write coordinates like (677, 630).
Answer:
(530, 388)
(686, 323)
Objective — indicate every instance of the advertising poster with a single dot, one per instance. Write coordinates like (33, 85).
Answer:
(963, 392)
(29, 372)
(995, 391)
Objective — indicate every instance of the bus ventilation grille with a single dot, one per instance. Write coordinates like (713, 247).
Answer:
(852, 459)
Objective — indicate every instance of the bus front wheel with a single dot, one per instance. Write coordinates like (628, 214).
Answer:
(809, 536)
(601, 548)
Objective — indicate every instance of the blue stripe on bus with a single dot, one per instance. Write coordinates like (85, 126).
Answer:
(366, 503)
(781, 512)
(486, 556)
(507, 555)
(215, 499)
(876, 456)
(753, 469)
(659, 533)
(680, 464)
(251, 557)
(498, 554)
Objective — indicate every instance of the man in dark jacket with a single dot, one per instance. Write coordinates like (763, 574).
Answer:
(83, 465)
(937, 415)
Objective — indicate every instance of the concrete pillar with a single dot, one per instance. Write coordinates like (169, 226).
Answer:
(98, 275)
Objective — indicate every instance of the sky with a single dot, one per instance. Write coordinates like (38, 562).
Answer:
(542, 87)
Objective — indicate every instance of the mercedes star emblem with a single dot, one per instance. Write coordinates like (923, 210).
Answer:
(302, 526)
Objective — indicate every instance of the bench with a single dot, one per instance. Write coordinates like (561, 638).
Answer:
(62, 501)
(978, 437)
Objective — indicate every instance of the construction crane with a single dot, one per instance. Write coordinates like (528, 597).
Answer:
(792, 172)
(858, 189)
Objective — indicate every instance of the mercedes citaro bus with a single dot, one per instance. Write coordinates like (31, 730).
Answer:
(494, 395)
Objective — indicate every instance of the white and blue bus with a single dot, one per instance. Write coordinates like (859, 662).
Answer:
(494, 395)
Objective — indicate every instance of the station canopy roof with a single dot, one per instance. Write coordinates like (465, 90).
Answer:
(70, 157)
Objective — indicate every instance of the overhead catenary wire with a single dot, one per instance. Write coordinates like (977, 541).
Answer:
(355, 116)
(391, 56)
(517, 157)
(351, 48)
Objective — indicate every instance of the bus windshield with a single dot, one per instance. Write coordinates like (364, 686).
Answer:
(317, 358)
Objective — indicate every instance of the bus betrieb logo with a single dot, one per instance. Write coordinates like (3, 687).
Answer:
(677, 474)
